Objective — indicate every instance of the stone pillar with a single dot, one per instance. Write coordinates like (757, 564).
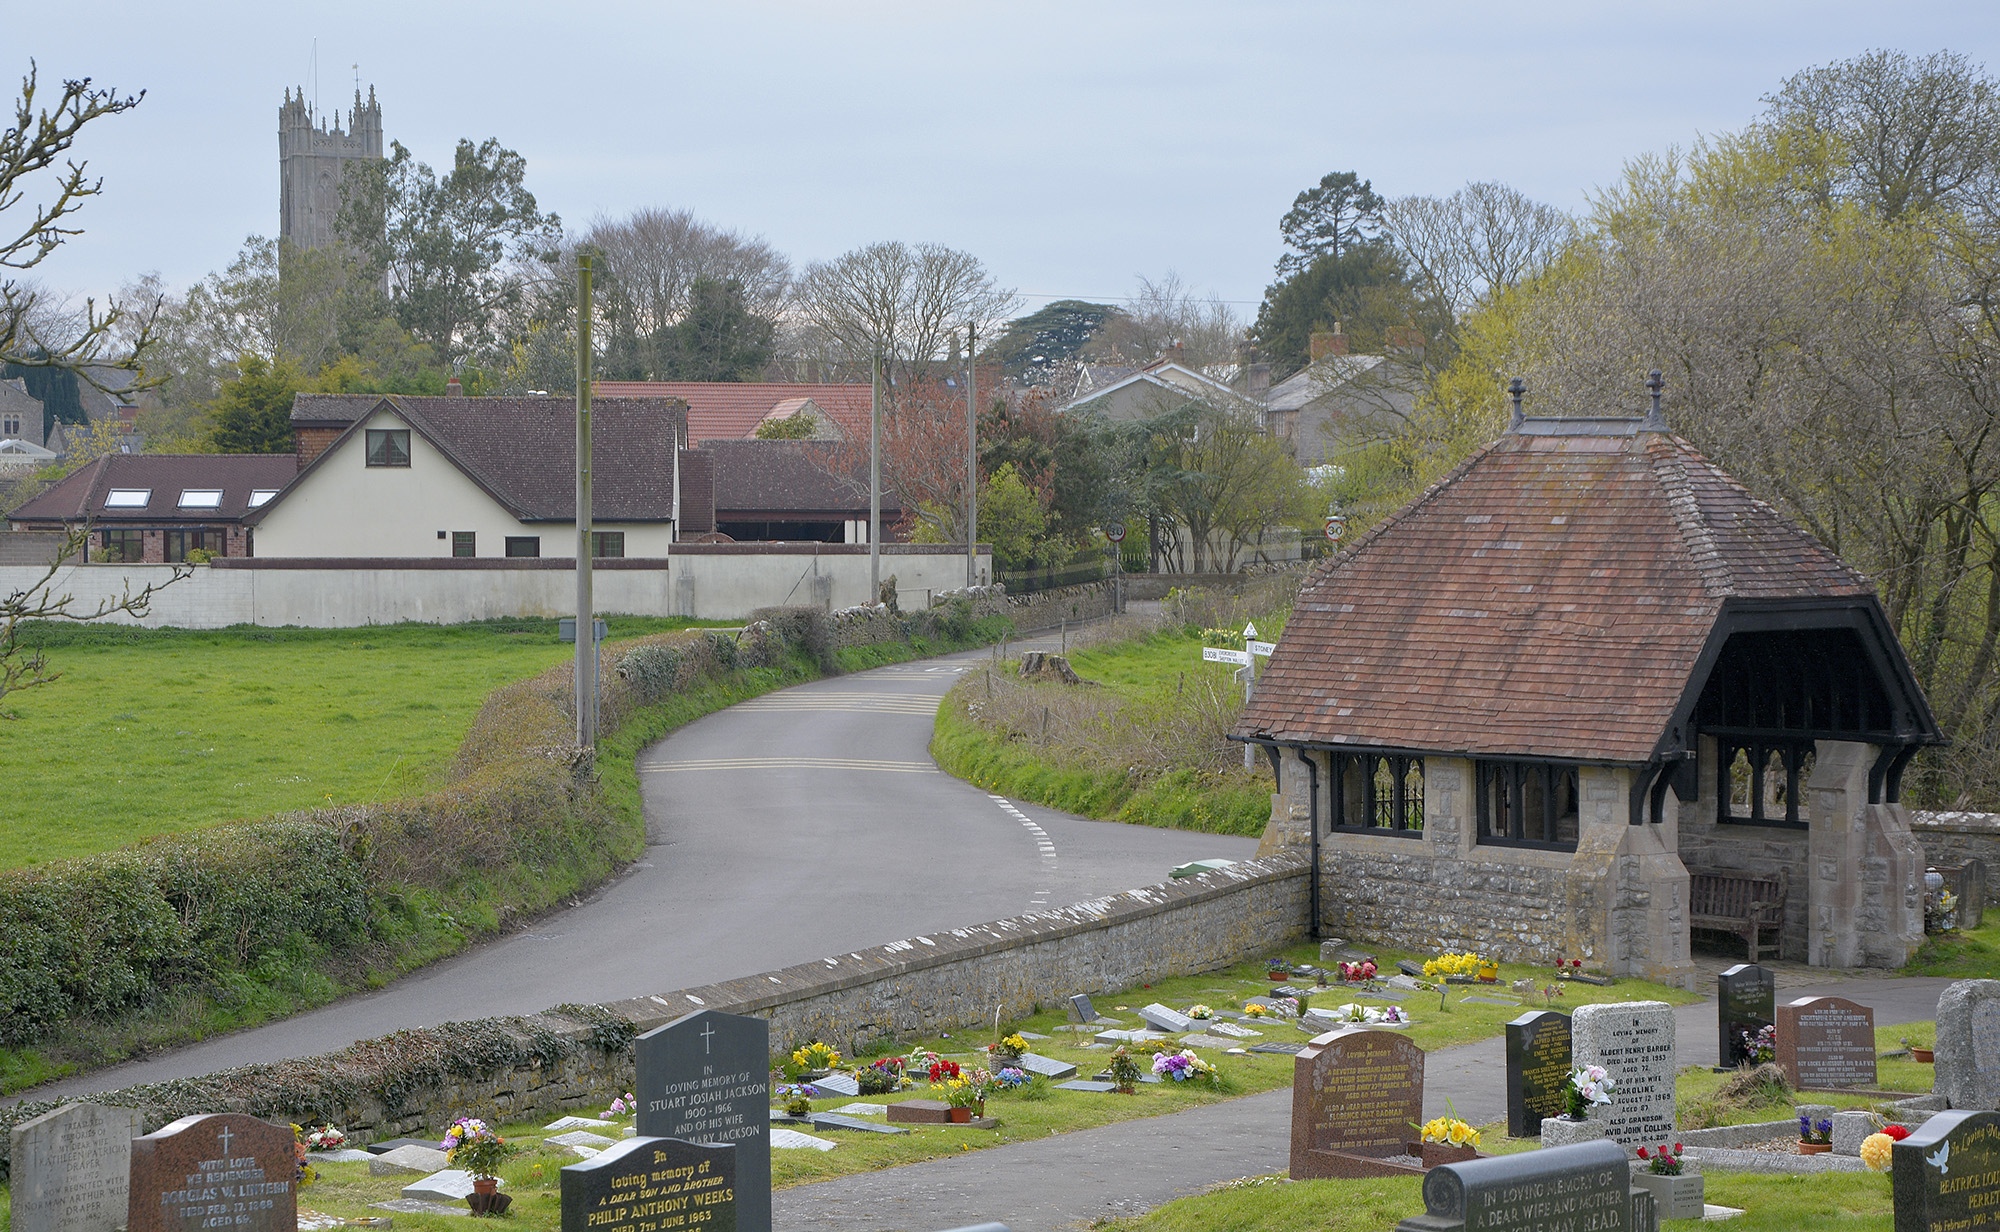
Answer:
(1642, 886)
(1289, 828)
(1865, 892)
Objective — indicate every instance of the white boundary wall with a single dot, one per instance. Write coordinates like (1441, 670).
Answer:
(706, 581)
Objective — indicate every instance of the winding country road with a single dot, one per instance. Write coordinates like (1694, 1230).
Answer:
(800, 824)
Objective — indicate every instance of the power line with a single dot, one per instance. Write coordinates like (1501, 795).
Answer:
(1124, 298)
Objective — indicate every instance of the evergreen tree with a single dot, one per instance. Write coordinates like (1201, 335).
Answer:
(253, 413)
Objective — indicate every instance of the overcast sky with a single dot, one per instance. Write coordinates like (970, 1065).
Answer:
(1072, 146)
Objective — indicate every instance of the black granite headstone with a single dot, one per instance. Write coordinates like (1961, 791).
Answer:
(1947, 1174)
(1746, 999)
(1587, 1185)
(652, 1185)
(707, 1078)
(1538, 1061)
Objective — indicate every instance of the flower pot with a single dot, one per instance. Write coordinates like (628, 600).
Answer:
(1489, 972)
(961, 1116)
(1815, 1148)
(1435, 1153)
(1277, 977)
(485, 1184)
(1674, 1197)
(1921, 1054)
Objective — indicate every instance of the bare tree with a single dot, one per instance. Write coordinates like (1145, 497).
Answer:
(1485, 237)
(24, 667)
(649, 263)
(1167, 314)
(909, 303)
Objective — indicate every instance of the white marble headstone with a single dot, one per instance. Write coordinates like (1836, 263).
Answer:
(1634, 1040)
(71, 1168)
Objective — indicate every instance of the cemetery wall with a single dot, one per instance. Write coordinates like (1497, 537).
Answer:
(575, 1058)
(1954, 838)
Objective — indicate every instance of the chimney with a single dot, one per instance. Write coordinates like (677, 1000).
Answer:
(1258, 385)
(452, 389)
(1406, 340)
(1325, 342)
(1174, 352)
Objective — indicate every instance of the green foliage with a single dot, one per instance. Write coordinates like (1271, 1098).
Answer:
(56, 388)
(1010, 518)
(796, 427)
(1330, 219)
(1364, 289)
(1967, 954)
(1035, 346)
(719, 338)
(252, 414)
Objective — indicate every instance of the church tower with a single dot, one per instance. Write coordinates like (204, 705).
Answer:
(311, 160)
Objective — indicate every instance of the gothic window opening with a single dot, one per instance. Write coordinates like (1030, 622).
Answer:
(1763, 783)
(1528, 804)
(1375, 793)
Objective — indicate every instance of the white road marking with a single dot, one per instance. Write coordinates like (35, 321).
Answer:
(1044, 845)
(793, 763)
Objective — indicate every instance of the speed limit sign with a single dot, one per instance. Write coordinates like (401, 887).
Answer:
(1336, 527)
(1115, 532)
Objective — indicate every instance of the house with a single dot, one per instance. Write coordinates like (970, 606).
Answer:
(1583, 677)
(474, 477)
(161, 507)
(732, 410)
(21, 415)
(797, 491)
(1340, 400)
(1142, 393)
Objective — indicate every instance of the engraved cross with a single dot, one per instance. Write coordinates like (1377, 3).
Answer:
(707, 1029)
(225, 1136)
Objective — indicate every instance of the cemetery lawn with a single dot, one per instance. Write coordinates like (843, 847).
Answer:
(1961, 955)
(150, 731)
(1699, 1104)
(1846, 1200)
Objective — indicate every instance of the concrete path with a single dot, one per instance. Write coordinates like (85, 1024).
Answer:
(1059, 1183)
(803, 823)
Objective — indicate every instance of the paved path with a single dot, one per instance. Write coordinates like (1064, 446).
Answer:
(1062, 1182)
(804, 823)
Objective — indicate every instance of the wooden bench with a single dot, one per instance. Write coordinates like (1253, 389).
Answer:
(1739, 903)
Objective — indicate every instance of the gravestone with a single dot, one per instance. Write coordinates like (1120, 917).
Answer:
(1087, 1084)
(1045, 1067)
(1081, 1008)
(1827, 1042)
(1537, 1068)
(225, 1170)
(1354, 1093)
(920, 1112)
(71, 1167)
(1968, 1044)
(837, 1084)
(1745, 998)
(1557, 1189)
(1162, 1018)
(647, 1184)
(1946, 1174)
(834, 1120)
(1634, 1040)
(1968, 882)
(704, 1078)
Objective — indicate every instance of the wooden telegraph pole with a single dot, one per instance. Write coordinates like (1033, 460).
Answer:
(586, 615)
(971, 458)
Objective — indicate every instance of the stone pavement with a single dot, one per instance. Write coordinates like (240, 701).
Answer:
(1064, 1181)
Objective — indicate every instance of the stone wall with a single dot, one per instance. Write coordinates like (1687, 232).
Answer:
(566, 1060)
(1043, 609)
(1954, 838)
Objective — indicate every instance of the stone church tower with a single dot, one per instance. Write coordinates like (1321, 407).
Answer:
(311, 159)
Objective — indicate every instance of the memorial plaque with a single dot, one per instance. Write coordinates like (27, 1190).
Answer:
(704, 1078)
(225, 1170)
(1557, 1189)
(1827, 1042)
(1162, 1018)
(1357, 1091)
(71, 1168)
(1945, 1177)
(1634, 1040)
(1081, 1008)
(647, 1184)
(1745, 1001)
(1968, 1044)
(1046, 1067)
(1537, 1069)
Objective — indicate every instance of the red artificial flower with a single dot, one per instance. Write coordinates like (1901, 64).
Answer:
(1896, 1133)
(1644, 1153)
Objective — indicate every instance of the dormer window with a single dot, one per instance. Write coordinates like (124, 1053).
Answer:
(128, 498)
(201, 498)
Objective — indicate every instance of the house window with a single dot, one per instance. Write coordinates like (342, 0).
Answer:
(1759, 784)
(181, 542)
(1527, 804)
(128, 498)
(465, 543)
(1376, 793)
(201, 498)
(11, 425)
(388, 446)
(524, 545)
(123, 546)
(607, 543)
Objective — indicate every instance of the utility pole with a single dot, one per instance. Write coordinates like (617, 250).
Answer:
(586, 614)
(875, 484)
(971, 458)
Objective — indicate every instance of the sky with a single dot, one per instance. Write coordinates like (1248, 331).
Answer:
(1072, 146)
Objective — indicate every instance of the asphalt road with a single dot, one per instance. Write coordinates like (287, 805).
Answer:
(801, 824)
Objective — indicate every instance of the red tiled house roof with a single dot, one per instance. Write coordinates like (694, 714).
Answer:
(1554, 597)
(731, 410)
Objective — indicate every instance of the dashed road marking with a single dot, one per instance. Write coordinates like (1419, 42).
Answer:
(793, 763)
(1045, 846)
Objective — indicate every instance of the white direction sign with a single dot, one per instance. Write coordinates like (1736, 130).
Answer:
(1262, 648)
(1219, 654)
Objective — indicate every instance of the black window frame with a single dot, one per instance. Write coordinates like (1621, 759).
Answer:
(1497, 783)
(375, 439)
(464, 543)
(1398, 812)
(1792, 752)
(533, 544)
(602, 539)
(10, 426)
(181, 540)
(132, 541)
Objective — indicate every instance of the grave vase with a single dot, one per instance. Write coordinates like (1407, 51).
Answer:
(485, 1184)
(961, 1116)
(1435, 1153)
(1674, 1197)
(1921, 1055)
(1814, 1148)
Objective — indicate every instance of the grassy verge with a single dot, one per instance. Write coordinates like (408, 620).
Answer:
(1961, 955)
(151, 731)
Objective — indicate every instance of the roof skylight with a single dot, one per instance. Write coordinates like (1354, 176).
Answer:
(128, 498)
(201, 498)
(259, 495)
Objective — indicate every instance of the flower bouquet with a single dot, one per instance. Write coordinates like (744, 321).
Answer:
(1876, 1149)
(306, 1174)
(1008, 1078)
(1465, 966)
(880, 1078)
(1761, 1047)
(798, 1098)
(622, 1106)
(1664, 1161)
(472, 1145)
(1183, 1066)
(1586, 1087)
(1255, 1011)
(1125, 1071)
(325, 1138)
(1354, 973)
(1445, 1140)
(1200, 1011)
(815, 1059)
(1009, 1049)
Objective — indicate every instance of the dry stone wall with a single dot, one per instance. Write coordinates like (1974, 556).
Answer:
(1954, 838)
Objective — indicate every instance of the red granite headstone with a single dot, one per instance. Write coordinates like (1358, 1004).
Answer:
(224, 1170)
(1827, 1042)
(1354, 1093)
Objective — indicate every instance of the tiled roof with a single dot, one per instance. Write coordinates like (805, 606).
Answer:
(1549, 598)
(1318, 379)
(787, 477)
(523, 451)
(731, 410)
(165, 475)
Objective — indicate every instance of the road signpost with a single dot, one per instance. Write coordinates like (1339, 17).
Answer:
(1246, 661)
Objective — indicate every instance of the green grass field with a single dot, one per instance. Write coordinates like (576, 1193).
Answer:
(158, 730)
